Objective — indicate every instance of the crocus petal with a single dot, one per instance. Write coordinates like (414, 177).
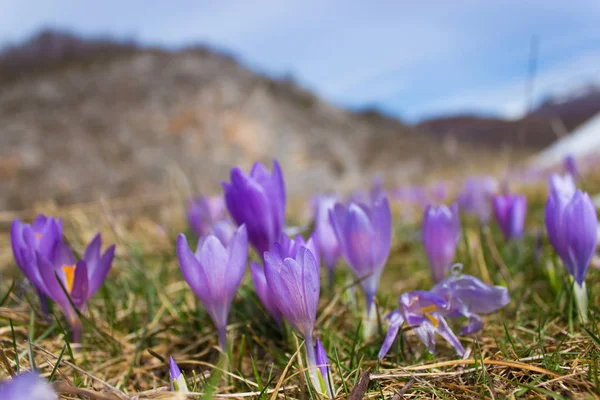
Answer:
(62, 255)
(441, 232)
(100, 272)
(92, 252)
(444, 331)
(358, 236)
(236, 262)
(79, 294)
(29, 386)
(49, 236)
(248, 204)
(382, 228)
(395, 322)
(475, 325)
(264, 293)
(178, 383)
(50, 275)
(16, 241)
(190, 268)
(426, 334)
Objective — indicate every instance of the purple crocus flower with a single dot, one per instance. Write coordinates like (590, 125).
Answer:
(510, 211)
(80, 279)
(203, 211)
(572, 225)
(286, 248)
(257, 200)
(441, 232)
(325, 234)
(424, 312)
(324, 368)
(214, 273)
(223, 230)
(294, 284)
(28, 385)
(476, 197)
(178, 383)
(40, 237)
(467, 297)
(365, 238)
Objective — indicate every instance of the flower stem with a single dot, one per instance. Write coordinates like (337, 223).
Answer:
(223, 339)
(581, 299)
(369, 319)
(311, 362)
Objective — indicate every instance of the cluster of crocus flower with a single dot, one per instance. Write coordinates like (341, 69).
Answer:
(51, 267)
(440, 234)
(510, 211)
(458, 295)
(203, 212)
(214, 273)
(365, 237)
(572, 226)
(29, 386)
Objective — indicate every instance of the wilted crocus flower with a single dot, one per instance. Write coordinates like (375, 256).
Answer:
(29, 386)
(324, 369)
(178, 383)
(510, 211)
(41, 236)
(476, 197)
(214, 273)
(365, 238)
(572, 226)
(203, 211)
(424, 312)
(441, 232)
(80, 279)
(257, 200)
(467, 297)
(325, 235)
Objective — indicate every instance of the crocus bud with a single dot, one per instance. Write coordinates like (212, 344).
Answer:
(258, 201)
(365, 238)
(325, 234)
(178, 383)
(40, 237)
(510, 211)
(294, 285)
(214, 273)
(28, 385)
(79, 279)
(324, 370)
(203, 211)
(572, 225)
(441, 232)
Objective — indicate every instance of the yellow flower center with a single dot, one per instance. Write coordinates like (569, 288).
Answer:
(69, 271)
(427, 310)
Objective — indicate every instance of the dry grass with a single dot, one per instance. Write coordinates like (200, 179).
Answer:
(534, 348)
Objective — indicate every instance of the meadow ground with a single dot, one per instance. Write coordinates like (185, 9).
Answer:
(533, 348)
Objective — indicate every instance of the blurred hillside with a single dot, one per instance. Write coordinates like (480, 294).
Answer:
(83, 118)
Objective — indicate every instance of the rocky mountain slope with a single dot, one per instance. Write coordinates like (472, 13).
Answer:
(83, 118)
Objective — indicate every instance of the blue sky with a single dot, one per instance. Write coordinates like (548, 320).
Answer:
(412, 59)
